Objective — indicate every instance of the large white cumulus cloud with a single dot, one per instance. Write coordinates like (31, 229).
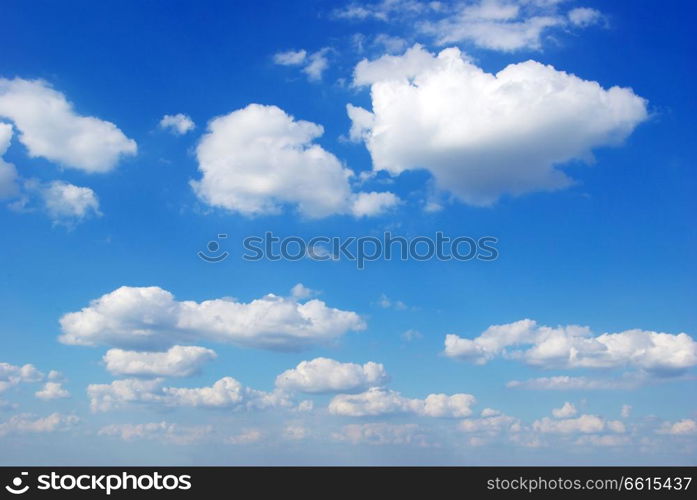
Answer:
(258, 159)
(50, 128)
(484, 135)
(151, 318)
(575, 346)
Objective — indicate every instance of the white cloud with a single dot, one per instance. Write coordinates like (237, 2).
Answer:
(178, 124)
(504, 25)
(29, 424)
(66, 202)
(314, 64)
(178, 361)
(296, 432)
(583, 424)
(575, 346)
(224, 393)
(584, 16)
(323, 375)
(247, 436)
(12, 375)
(50, 128)
(8, 173)
(566, 383)
(301, 292)
(258, 159)
(158, 431)
(683, 427)
(387, 303)
(567, 410)
(290, 57)
(626, 411)
(605, 440)
(483, 135)
(52, 390)
(373, 203)
(490, 424)
(151, 318)
(377, 401)
(381, 434)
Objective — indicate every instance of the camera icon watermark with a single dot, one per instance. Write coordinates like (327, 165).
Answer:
(17, 488)
(212, 248)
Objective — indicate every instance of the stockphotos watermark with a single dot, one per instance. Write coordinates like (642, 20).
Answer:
(358, 249)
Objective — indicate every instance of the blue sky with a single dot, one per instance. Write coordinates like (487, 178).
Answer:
(589, 191)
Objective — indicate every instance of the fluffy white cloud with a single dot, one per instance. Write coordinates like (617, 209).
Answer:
(377, 401)
(491, 424)
(381, 434)
(313, 64)
(50, 128)
(290, 57)
(158, 431)
(12, 375)
(505, 25)
(258, 159)
(29, 424)
(584, 16)
(484, 135)
(151, 318)
(248, 436)
(67, 202)
(8, 173)
(178, 361)
(583, 424)
(683, 427)
(626, 411)
(575, 346)
(52, 390)
(567, 410)
(224, 393)
(295, 432)
(323, 375)
(178, 124)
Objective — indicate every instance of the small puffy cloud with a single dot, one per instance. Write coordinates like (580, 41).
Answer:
(683, 427)
(295, 432)
(150, 318)
(66, 202)
(224, 393)
(29, 424)
(490, 424)
(607, 440)
(323, 375)
(51, 129)
(248, 436)
(387, 303)
(626, 411)
(411, 335)
(381, 434)
(313, 64)
(301, 292)
(484, 135)
(158, 431)
(567, 410)
(9, 186)
(290, 57)
(258, 159)
(178, 361)
(575, 346)
(584, 16)
(52, 390)
(378, 401)
(178, 124)
(583, 424)
(12, 375)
